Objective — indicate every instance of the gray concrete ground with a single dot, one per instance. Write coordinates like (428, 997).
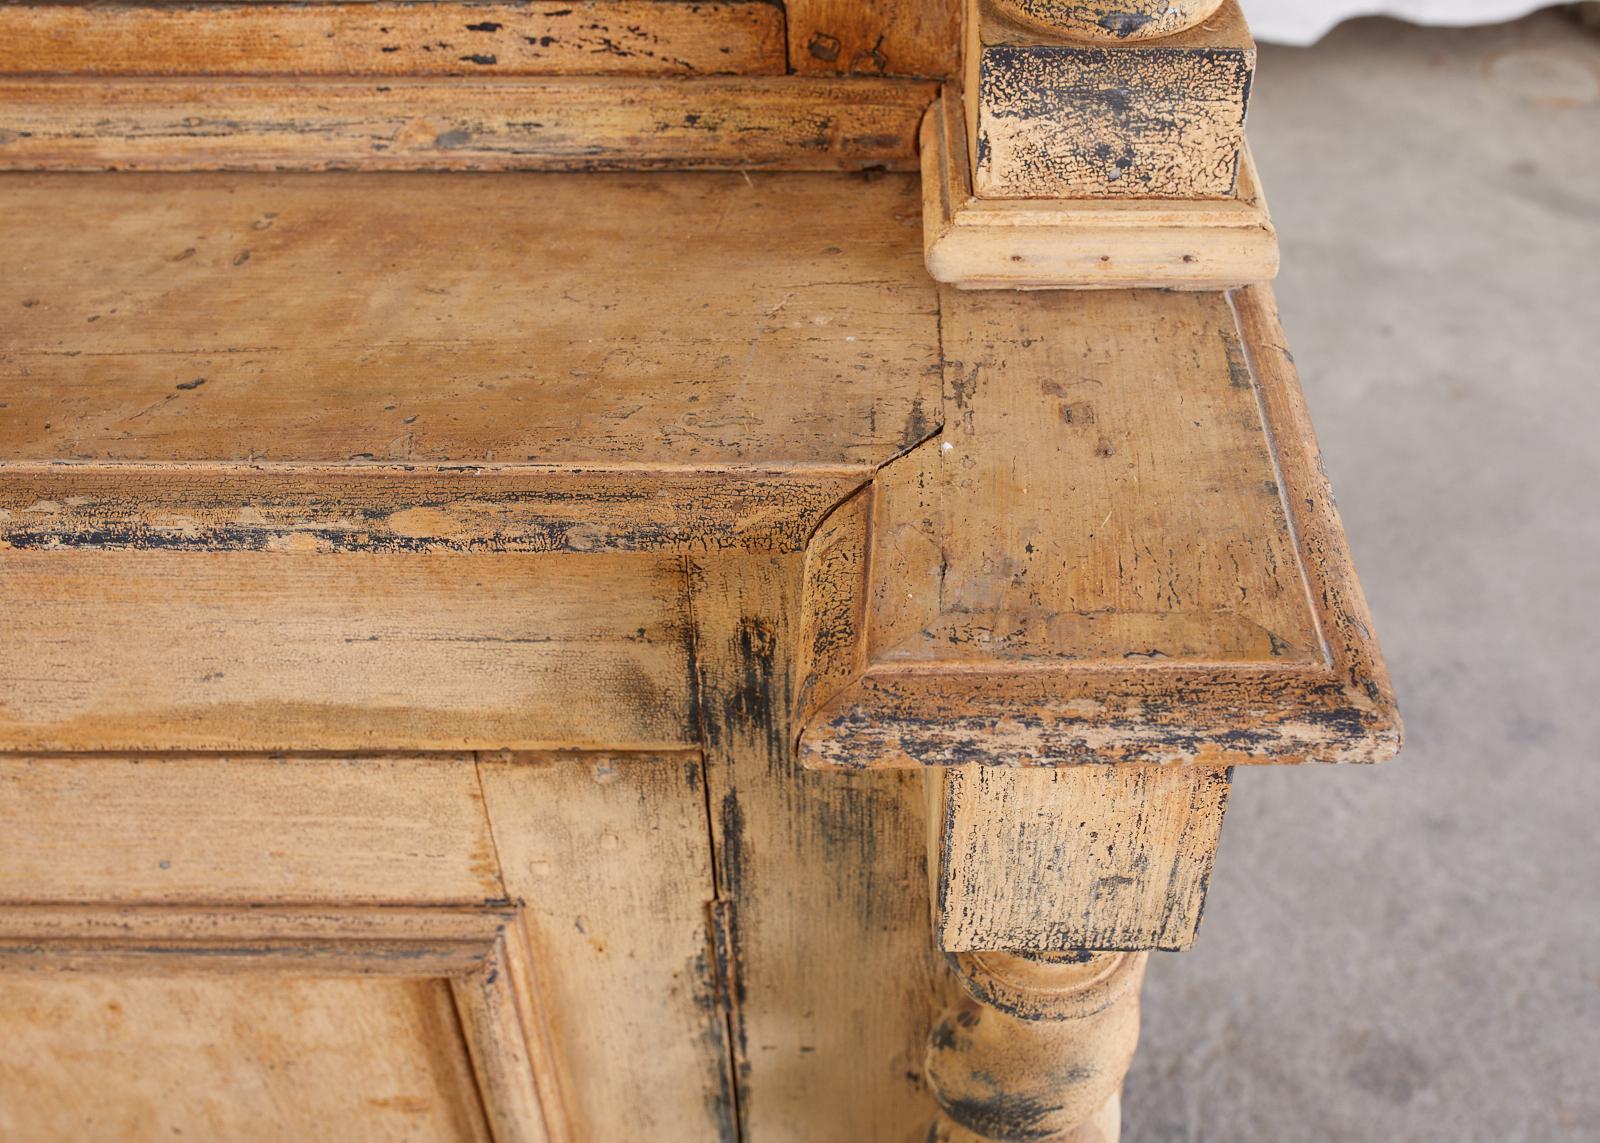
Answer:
(1412, 951)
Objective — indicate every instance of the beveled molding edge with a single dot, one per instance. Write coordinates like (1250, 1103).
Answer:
(859, 704)
(1084, 244)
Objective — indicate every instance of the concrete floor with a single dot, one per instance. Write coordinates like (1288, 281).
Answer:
(1412, 951)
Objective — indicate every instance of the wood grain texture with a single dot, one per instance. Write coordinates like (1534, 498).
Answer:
(287, 650)
(1082, 857)
(505, 1034)
(259, 830)
(1058, 118)
(530, 37)
(422, 321)
(155, 1058)
(610, 855)
(448, 124)
(1038, 1048)
(185, 334)
(832, 976)
(489, 1024)
(883, 37)
(1055, 243)
(1120, 550)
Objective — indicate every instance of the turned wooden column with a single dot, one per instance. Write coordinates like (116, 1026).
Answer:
(1038, 1048)
(1124, 20)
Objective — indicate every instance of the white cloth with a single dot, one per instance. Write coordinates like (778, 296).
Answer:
(1306, 21)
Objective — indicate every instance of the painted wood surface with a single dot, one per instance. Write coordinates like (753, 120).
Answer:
(506, 1028)
(1037, 1049)
(1121, 549)
(529, 37)
(680, 479)
(1091, 244)
(448, 124)
(1122, 20)
(1052, 117)
(880, 37)
(487, 1020)
(1075, 857)
(396, 508)
(610, 856)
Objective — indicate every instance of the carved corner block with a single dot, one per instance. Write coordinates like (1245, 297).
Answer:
(1052, 115)
(986, 243)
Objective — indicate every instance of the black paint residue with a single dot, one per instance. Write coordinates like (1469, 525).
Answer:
(1124, 23)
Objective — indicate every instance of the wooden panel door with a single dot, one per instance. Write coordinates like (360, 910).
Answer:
(251, 947)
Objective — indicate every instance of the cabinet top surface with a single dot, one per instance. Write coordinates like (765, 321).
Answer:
(694, 320)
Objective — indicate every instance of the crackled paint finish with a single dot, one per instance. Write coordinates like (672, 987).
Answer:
(1117, 20)
(1056, 118)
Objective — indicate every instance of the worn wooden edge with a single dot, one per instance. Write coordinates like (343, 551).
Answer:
(408, 941)
(1180, 25)
(385, 38)
(1037, 244)
(514, 1077)
(1128, 23)
(557, 124)
(1214, 715)
(416, 508)
(898, 714)
(1331, 580)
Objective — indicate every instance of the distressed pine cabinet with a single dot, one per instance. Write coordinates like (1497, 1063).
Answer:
(634, 570)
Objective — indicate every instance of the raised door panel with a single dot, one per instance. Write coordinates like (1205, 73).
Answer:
(138, 1058)
(523, 944)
